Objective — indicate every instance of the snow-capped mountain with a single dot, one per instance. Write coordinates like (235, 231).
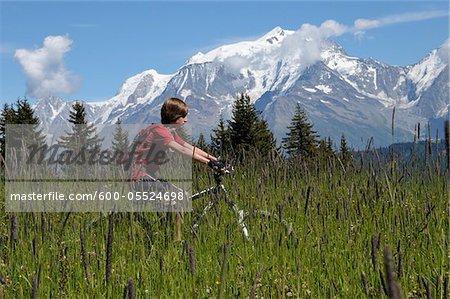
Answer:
(430, 79)
(53, 113)
(135, 91)
(341, 94)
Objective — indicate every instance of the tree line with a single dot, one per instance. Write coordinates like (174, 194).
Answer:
(245, 132)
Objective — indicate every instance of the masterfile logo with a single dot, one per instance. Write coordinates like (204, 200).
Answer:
(92, 169)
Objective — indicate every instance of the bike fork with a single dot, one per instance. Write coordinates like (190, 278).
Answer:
(239, 213)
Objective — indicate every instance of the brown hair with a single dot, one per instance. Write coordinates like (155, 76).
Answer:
(173, 109)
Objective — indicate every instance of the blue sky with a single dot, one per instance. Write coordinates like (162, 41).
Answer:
(108, 42)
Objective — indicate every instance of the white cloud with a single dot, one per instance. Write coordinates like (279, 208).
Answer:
(361, 24)
(332, 28)
(235, 63)
(307, 43)
(45, 70)
(444, 52)
(304, 46)
(364, 24)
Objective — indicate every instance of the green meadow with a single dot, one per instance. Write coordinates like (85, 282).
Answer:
(375, 228)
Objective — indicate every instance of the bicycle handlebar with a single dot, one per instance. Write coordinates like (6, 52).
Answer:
(224, 168)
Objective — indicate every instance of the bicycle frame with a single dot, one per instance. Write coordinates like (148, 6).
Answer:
(216, 190)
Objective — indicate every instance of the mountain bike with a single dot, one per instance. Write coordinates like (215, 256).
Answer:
(220, 194)
(219, 189)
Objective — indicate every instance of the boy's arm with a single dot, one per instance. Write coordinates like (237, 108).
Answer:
(183, 149)
(199, 151)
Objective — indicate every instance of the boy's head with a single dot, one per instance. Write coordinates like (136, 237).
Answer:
(172, 110)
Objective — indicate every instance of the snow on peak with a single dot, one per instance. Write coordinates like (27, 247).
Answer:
(333, 47)
(50, 107)
(264, 61)
(247, 49)
(428, 69)
(132, 83)
(143, 87)
(335, 58)
(444, 51)
(51, 100)
(274, 36)
(99, 103)
(197, 58)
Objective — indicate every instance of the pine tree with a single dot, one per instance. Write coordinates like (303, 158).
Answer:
(7, 116)
(25, 115)
(21, 114)
(330, 145)
(220, 139)
(119, 150)
(241, 125)
(301, 138)
(201, 143)
(247, 130)
(263, 138)
(82, 145)
(120, 141)
(83, 134)
(345, 155)
(326, 148)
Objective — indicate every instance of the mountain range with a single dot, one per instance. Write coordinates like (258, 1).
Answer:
(340, 93)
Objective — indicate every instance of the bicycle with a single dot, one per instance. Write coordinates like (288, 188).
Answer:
(218, 188)
(242, 215)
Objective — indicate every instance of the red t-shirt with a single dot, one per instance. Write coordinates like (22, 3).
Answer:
(149, 154)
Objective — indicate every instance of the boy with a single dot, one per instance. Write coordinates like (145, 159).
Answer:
(158, 138)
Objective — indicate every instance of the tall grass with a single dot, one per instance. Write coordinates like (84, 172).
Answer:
(340, 216)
